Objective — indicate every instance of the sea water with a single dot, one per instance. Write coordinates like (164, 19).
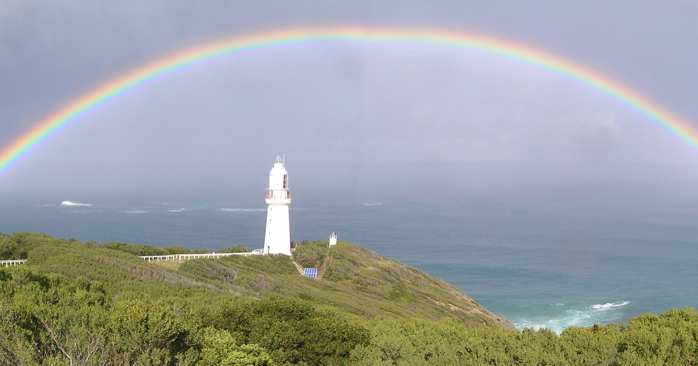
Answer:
(539, 267)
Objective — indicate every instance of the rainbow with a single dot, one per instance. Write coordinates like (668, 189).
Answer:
(53, 122)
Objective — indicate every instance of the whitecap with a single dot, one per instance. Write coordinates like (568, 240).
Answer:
(177, 210)
(371, 204)
(75, 204)
(609, 305)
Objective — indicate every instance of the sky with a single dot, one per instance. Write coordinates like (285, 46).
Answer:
(364, 121)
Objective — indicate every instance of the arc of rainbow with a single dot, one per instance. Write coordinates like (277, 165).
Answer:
(130, 80)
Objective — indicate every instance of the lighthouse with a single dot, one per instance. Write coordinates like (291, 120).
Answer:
(277, 238)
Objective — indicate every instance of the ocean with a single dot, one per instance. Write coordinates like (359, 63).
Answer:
(539, 266)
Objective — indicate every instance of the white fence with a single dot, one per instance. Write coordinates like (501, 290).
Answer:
(12, 262)
(186, 257)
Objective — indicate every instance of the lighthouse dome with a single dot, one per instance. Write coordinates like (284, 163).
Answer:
(278, 176)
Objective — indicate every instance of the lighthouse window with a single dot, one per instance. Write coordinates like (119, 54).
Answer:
(285, 181)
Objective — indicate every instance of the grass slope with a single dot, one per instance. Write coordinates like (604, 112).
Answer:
(356, 281)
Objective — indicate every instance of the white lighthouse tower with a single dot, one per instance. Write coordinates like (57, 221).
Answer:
(277, 239)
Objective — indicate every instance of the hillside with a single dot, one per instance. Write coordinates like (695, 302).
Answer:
(358, 282)
(86, 304)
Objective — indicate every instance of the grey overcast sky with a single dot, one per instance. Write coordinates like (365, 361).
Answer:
(370, 118)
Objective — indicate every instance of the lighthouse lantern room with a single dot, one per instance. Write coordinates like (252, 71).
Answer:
(277, 238)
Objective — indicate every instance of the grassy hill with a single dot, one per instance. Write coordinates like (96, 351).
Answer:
(357, 282)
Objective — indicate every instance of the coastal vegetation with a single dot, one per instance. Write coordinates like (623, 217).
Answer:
(79, 303)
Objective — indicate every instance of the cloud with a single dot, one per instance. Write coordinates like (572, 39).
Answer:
(341, 107)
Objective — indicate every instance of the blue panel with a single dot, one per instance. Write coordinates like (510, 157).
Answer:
(310, 273)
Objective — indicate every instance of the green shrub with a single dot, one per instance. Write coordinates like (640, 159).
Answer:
(292, 331)
(311, 255)
(14, 247)
(90, 305)
(235, 249)
(142, 250)
(220, 349)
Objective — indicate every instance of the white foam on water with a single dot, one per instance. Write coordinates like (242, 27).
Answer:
(609, 305)
(177, 210)
(371, 204)
(570, 318)
(75, 204)
(580, 317)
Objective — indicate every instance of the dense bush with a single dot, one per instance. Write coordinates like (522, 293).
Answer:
(235, 249)
(13, 247)
(140, 249)
(52, 320)
(311, 254)
(293, 332)
(204, 313)
(667, 339)
(48, 319)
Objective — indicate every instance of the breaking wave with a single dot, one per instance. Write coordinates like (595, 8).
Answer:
(609, 305)
(75, 204)
(226, 209)
(371, 204)
(177, 210)
(576, 317)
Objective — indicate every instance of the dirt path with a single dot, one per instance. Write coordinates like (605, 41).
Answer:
(298, 267)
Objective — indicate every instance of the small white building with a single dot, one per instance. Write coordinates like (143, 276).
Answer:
(277, 238)
(333, 238)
